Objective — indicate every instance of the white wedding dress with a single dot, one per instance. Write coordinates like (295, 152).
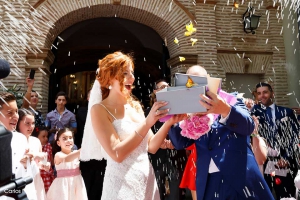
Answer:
(134, 177)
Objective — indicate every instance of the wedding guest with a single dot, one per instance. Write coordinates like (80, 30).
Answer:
(168, 164)
(259, 144)
(31, 100)
(47, 175)
(279, 126)
(80, 119)
(9, 118)
(26, 124)
(60, 117)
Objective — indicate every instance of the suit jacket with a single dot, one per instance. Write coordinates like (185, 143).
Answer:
(229, 147)
(284, 135)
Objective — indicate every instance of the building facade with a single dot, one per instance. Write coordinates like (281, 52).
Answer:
(223, 47)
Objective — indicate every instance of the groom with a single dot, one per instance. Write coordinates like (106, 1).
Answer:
(226, 166)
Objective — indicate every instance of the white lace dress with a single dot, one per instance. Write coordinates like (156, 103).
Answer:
(133, 178)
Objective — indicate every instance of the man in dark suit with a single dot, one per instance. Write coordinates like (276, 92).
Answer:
(280, 127)
(226, 166)
(81, 118)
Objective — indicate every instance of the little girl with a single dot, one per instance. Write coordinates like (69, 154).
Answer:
(69, 183)
(25, 126)
(48, 176)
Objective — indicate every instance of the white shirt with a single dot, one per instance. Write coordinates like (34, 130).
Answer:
(212, 165)
(273, 112)
(18, 146)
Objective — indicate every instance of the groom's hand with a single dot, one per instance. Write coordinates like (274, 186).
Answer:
(215, 104)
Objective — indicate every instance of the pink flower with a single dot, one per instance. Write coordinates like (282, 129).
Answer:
(196, 126)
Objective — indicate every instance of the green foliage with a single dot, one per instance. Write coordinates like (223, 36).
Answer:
(15, 90)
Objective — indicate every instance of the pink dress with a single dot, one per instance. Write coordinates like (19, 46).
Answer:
(68, 185)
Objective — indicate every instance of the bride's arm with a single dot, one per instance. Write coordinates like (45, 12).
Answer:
(108, 138)
(156, 140)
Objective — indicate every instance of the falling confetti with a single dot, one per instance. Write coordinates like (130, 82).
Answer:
(176, 41)
(236, 5)
(193, 40)
(190, 29)
(60, 38)
(181, 59)
(272, 173)
(42, 71)
(170, 7)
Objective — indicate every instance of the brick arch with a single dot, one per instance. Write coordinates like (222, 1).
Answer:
(153, 13)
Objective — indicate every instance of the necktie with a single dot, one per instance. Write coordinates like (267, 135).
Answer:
(269, 116)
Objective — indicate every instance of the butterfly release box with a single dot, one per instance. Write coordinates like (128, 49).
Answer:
(183, 99)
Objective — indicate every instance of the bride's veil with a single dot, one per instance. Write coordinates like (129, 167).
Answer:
(91, 147)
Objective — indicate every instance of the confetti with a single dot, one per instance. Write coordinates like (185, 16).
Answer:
(176, 41)
(170, 7)
(187, 33)
(181, 59)
(272, 173)
(60, 38)
(236, 5)
(193, 40)
(190, 29)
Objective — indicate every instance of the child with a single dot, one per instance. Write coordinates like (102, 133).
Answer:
(69, 183)
(25, 126)
(48, 176)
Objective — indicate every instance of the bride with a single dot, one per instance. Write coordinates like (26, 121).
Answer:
(123, 132)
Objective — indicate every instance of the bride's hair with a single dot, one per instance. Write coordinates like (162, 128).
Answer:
(113, 66)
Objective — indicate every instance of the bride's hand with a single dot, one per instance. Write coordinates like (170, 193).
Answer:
(175, 119)
(155, 113)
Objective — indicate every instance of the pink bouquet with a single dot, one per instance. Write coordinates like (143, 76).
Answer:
(196, 126)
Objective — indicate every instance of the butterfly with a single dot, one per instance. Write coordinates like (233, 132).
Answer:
(190, 29)
(193, 41)
(190, 83)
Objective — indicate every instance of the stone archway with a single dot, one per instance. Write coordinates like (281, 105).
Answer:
(167, 20)
(155, 14)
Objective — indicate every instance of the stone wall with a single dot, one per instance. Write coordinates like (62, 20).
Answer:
(222, 47)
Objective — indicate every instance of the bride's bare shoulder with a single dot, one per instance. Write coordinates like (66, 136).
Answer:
(98, 107)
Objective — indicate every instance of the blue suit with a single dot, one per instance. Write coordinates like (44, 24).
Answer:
(283, 136)
(229, 147)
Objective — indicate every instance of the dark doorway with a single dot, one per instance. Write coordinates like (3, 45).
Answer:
(78, 49)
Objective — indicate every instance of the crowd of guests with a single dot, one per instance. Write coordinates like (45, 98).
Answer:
(250, 152)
